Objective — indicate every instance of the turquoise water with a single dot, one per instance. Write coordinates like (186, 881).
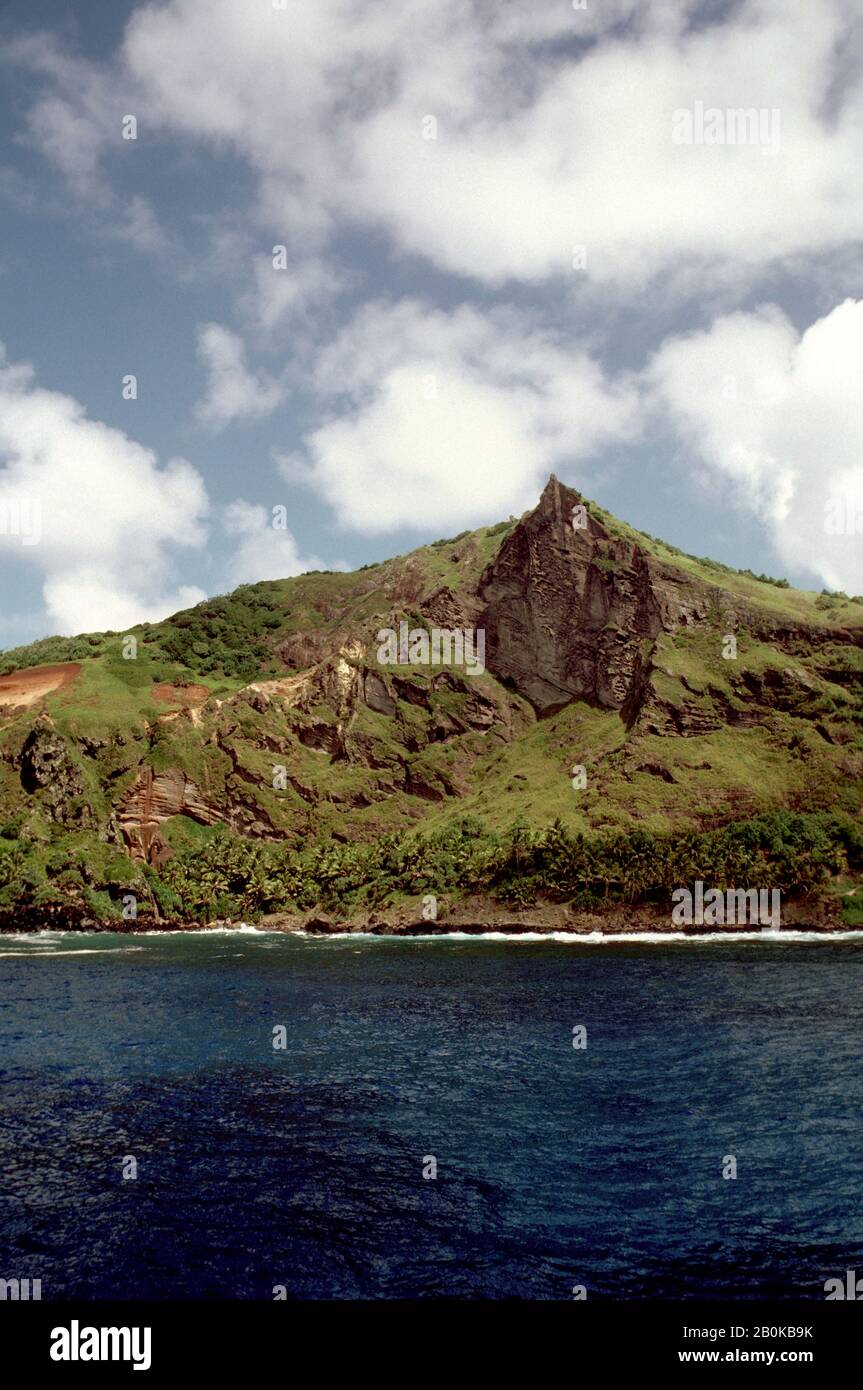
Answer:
(303, 1167)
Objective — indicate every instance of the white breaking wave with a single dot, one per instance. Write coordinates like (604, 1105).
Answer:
(81, 951)
(241, 929)
(776, 938)
(37, 937)
(41, 938)
(45, 941)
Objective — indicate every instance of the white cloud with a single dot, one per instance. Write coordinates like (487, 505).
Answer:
(449, 419)
(284, 296)
(91, 509)
(76, 119)
(779, 417)
(262, 549)
(589, 159)
(89, 600)
(232, 392)
(554, 127)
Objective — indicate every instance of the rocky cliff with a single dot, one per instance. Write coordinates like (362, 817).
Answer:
(572, 612)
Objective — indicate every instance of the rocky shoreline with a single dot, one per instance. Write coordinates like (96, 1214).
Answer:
(471, 916)
(475, 916)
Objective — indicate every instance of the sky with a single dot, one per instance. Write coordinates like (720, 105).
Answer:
(289, 285)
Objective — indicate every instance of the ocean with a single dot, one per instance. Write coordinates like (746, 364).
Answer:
(424, 1125)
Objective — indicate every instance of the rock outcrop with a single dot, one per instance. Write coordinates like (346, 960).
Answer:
(571, 613)
(150, 801)
(48, 767)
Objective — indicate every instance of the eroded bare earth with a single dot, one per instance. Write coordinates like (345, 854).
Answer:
(189, 695)
(21, 689)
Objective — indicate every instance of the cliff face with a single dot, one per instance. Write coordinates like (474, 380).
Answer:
(572, 613)
(602, 648)
(153, 799)
(49, 770)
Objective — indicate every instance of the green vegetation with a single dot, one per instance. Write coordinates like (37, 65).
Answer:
(52, 651)
(765, 592)
(215, 874)
(42, 868)
(792, 851)
(225, 634)
(852, 907)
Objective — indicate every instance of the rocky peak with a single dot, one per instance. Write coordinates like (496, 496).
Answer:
(556, 503)
(569, 608)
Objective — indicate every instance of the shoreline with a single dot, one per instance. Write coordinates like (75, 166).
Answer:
(472, 917)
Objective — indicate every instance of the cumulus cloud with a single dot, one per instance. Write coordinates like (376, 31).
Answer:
(552, 127)
(778, 417)
(91, 509)
(261, 545)
(232, 391)
(88, 599)
(541, 115)
(589, 159)
(446, 419)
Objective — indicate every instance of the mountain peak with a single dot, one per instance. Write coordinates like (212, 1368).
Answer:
(557, 497)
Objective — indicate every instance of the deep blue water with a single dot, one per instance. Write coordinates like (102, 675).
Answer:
(303, 1167)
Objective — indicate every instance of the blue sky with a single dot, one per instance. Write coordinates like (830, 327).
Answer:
(500, 261)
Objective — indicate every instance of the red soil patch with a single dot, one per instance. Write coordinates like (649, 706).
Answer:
(189, 695)
(22, 688)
